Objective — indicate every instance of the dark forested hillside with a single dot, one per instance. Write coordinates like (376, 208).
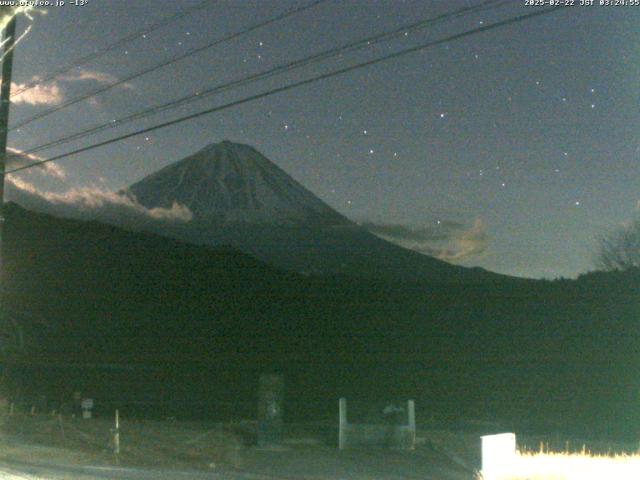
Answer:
(198, 321)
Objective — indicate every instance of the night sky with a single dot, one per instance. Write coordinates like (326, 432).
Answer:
(518, 146)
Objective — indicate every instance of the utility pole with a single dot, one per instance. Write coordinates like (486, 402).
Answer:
(8, 38)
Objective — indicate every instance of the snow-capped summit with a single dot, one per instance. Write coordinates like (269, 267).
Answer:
(233, 183)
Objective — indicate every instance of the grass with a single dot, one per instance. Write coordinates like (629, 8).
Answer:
(569, 466)
(143, 443)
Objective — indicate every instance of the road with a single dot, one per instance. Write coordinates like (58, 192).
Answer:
(333, 465)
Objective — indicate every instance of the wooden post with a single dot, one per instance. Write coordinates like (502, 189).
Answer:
(116, 436)
(342, 432)
(411, 414)
(270, 409)
(61, 426)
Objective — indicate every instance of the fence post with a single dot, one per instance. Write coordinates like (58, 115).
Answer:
(411, 413)
(116, 437)
(342, 432)
(270, 409)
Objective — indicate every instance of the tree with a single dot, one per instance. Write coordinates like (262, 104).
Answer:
(620, 250)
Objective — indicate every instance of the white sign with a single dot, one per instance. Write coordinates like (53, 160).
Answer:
(498, 455)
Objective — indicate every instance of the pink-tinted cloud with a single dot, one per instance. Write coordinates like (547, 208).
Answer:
(47, 94)
(89, 203)
(448, 241)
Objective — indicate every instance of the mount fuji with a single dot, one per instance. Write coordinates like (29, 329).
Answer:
(240, 198)
(230, 183)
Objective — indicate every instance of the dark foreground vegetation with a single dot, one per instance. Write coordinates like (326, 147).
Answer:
(159, 328)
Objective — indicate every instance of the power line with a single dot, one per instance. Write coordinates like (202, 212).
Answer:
(161, 65)
(301, 83)
(307, 61)
(324, 55)
(109, 48)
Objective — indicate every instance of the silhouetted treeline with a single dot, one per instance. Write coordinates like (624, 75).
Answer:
(194, 321)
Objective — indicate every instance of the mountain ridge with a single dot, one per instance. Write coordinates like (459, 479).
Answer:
(233, 183)
(241, 198)
(209, 321)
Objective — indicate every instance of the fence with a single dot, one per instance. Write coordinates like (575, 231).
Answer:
(391, 434)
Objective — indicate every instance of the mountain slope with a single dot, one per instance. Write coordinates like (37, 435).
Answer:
(232, 183)
(239, 197)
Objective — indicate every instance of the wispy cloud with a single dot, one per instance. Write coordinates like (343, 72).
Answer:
(52, 92)
(47, 94)
(83, 203)
(18, 158)
(89, 75)
(90, 203)
(449, 241)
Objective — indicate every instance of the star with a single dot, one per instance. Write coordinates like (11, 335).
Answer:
(442, 115)
(364, 132)
(371, 151)
(593, 105)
